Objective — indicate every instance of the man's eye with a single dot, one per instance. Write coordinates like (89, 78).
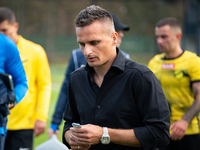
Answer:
(164, 37)
(4, 30)
(81, 44)
(94, 42)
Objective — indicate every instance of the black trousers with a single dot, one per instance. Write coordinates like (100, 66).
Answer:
(16, 139)
(2, 141)
(188, 142)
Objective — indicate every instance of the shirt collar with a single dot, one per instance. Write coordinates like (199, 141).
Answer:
(164, 57)
(119, 62)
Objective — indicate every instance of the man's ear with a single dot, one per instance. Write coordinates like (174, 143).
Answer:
(179, 36)
(16, 25)
(114, 36)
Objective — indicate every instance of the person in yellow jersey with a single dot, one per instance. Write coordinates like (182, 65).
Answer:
(178, 71)
(31, 114)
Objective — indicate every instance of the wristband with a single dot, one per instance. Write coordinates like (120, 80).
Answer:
(54, 127)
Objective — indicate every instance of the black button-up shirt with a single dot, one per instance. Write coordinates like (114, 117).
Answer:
(130, 97)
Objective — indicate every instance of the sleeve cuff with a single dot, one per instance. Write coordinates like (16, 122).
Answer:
(54, 127)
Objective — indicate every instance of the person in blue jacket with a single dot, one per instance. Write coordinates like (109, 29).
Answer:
(77, 60)
(10, 63)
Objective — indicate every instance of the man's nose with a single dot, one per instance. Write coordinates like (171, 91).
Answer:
(159, 40)
(87, 50)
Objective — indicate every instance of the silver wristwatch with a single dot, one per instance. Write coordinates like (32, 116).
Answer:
(105, 138)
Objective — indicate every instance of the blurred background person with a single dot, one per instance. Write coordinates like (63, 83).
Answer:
(31, 114)
(10, 63)
(178, 71)
(77, 60)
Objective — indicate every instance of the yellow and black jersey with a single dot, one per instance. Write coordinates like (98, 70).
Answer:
(175, 77)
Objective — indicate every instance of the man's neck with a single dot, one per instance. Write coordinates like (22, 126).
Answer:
(16, 39)
(100, 72)
(174, 53)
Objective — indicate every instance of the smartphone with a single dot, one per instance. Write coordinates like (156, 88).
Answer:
(76, 125)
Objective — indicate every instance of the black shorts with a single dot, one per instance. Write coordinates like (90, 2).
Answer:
(188, 142)
(16, 139)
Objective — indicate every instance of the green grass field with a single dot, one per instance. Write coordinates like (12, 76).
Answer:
(57, 76)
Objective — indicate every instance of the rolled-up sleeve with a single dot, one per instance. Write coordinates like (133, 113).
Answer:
(153, 107)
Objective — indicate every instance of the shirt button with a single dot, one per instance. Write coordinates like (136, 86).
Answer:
(98, 106)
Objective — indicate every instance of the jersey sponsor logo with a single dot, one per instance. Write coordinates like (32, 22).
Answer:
(168, 66)
(178, 74)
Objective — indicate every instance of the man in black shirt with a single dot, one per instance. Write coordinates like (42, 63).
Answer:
(118, 102)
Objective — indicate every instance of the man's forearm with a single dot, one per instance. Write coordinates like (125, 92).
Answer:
(124, 137)
(192, 112)
(195, 107)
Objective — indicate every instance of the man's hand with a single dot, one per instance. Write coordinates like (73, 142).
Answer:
(73, 143)
(87, 134)
(51, 132)
(82, 138)
(178, 129)
(39, 127)
(10, 106)
(76, 145)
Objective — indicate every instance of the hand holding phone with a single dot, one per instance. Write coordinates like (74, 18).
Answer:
(76, 125)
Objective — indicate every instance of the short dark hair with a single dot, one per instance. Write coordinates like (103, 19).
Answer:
(90, 15)
(172, 22)
(7, 14)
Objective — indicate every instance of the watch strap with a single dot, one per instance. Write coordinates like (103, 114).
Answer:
(105, 130)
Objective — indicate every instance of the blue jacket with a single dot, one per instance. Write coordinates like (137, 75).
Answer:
(76, 60)
(10, 63)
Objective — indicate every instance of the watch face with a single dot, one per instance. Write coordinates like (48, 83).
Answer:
(105, 140)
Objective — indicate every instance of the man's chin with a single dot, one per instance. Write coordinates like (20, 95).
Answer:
(162, 49)
(92, 64)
